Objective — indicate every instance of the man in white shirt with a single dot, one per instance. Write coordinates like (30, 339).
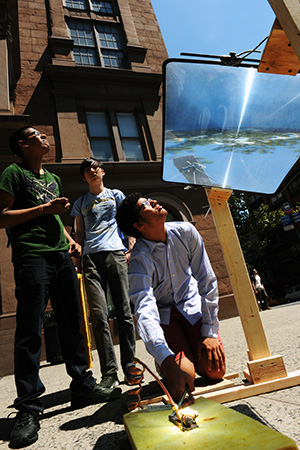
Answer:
(259, 289)
(174, 290)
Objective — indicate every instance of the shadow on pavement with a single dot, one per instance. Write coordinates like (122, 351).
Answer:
(56, 398)
(110, 412)
(6, 427)
(113, 441)
(250, 412)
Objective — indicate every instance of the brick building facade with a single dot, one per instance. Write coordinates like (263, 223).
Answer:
(88, 73)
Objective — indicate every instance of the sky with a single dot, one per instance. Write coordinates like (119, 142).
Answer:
(214, 27)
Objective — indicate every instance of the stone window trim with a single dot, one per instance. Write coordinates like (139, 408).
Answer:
(8, 69)
(134, 53)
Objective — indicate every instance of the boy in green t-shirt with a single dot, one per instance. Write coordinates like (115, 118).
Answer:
(31, 202)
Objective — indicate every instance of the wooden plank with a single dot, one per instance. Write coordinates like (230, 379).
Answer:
(267, 369)
(250, 390)
(278, 55)
(213, 387)
(199, 390)
(218, 427)
(288, 15)
(230, 376)
(244, 295)
(247, 376)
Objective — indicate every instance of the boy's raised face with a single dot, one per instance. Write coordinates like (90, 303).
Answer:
(93, 174)
(151, 214)
(34, 141)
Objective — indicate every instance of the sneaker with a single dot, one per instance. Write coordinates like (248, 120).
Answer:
(25, 429)
(133, 375)
(98, 394)
(109, 381)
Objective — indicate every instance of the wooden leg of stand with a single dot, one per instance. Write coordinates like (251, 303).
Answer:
(262, 366)
(241, 285)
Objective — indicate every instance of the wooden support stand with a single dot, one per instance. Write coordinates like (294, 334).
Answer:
(262, 367)
(265, 373)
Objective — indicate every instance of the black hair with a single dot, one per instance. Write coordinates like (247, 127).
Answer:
(127, 215)
(89, 162)
(14, 139)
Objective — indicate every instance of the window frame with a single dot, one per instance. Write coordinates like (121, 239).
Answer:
(110, 136)
(115, 133)
(85, 46)
(89, 8)
(138, 138)
(93, 24)
(117, 51)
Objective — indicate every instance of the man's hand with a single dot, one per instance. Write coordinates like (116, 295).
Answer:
(127, 256)
(131, 242)
(215, 353)
(177, 379)
(75, 249)
(56, 206)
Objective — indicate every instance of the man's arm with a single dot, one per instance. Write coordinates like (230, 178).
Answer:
(131, 242)
(150, 331)
(177, 378)
(254, 288)
(79, 238)
(75, 248)
(10, 218)
(148, 324)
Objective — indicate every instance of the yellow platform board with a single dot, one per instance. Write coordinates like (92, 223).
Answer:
(219, 428)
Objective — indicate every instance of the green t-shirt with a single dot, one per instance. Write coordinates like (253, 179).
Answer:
(45, 233)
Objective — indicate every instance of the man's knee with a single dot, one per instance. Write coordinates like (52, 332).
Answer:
(212, 374)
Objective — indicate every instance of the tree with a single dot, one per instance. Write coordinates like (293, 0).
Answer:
(251, 225)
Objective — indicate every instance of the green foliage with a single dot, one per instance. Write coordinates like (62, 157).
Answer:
(252, 226)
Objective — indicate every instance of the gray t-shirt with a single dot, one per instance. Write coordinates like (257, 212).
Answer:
(99, 217)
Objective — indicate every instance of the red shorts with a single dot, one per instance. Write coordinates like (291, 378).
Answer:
(182, 337)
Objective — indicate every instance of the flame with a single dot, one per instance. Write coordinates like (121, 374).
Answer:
(188, 412)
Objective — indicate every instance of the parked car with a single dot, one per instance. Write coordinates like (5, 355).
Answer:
(293, 294)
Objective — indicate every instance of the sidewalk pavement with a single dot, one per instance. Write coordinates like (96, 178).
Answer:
(101, 426)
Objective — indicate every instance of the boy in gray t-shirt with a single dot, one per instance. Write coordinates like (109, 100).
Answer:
(104, 264)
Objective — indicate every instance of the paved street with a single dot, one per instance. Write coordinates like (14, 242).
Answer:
(101, 426)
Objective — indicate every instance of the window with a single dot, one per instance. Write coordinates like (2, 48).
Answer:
(96, 44)
(103, 7)
(127, 144)
(111, 50)
(93, 5)
(99, 136)
(76, 4)
(84, 44)
(130, 137)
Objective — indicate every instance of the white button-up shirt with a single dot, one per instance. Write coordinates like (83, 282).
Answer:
(175, 273)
